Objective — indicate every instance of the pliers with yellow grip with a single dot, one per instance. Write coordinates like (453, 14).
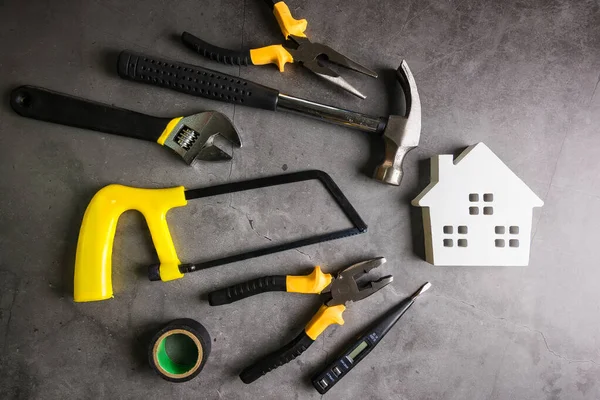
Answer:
(338, 291)
(296, 49)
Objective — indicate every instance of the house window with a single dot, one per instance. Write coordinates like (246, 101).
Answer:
(481, 203)
(456, 234)
(504, 235)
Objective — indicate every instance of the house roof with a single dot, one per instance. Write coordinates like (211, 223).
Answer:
(475, 167)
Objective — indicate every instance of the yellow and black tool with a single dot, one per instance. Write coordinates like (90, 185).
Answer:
(206, 136)
(339, 290)
(296, 49)
(96, 236)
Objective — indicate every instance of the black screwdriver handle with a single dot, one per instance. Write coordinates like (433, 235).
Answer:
(197, 81)
(274, 283)
(45, 105)
(278, 358)
(216, 53)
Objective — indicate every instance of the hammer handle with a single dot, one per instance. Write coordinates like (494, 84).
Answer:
(197, 81)
(210, 84)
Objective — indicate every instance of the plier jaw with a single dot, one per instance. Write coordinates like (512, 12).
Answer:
(305, 51)
(296, 49)
(311, 56)
(348, 287)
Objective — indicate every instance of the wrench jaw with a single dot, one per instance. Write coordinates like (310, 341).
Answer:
(402, 133)
(216, 148)
(207, 136)
(346, 286)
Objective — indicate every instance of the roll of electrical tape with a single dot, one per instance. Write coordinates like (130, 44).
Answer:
(179, 351)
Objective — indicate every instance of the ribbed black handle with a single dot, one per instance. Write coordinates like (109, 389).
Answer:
(277, 358)
(216, 53)
(197, 81)
(275, 283)
(46, 105)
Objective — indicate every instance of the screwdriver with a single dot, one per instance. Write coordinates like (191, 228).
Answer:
(360, 348)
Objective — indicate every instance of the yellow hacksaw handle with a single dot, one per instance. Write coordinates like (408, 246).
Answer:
(94, 248)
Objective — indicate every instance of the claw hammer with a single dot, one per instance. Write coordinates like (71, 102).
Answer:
(400, 133)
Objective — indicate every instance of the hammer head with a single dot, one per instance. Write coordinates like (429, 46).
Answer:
(402, 133)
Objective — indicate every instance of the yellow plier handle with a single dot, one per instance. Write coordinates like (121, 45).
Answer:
(277, 54)
(327, 315)
(323, 318)
(314, 283)
(345, 288)
(288, 24)
(274, 54)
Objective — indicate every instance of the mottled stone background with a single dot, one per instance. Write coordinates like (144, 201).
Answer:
(521, 76)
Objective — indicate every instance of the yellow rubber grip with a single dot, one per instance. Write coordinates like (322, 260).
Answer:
(94, 248)
(274, 54)
(323, 318)
(287, 23)
(313, 283)
(170, 126)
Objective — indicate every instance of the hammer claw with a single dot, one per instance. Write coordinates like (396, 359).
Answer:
(402, 133)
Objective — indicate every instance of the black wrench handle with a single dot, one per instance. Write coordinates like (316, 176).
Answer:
(46, 105)
(197, 81)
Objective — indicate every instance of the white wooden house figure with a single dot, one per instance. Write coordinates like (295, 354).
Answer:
(476, 211)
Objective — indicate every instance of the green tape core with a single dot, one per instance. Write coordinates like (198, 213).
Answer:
(183, 354)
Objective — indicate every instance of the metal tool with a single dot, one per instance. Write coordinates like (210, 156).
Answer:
(338, 291)
(400, 133)
(206, 136)
(363, 345)
(296, 49)
(94, 247)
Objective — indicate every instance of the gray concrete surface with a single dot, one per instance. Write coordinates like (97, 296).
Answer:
(521, 76)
